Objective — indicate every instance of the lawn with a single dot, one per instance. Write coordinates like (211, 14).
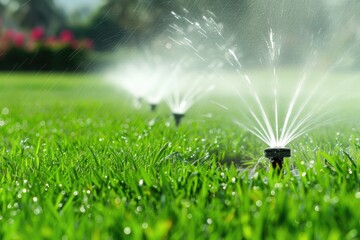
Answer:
(78, 161)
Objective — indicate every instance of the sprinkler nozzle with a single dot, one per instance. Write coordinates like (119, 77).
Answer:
(178, 117)
(153, 107)
(276, 156)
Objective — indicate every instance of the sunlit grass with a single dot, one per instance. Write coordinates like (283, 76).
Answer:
(79, 162)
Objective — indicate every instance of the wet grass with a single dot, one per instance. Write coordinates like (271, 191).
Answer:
(79, 162)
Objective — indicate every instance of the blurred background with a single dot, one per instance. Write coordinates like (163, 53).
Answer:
(83, 35)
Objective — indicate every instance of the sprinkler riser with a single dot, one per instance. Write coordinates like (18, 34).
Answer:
(276, 156)
(178, 117)
(153, 107)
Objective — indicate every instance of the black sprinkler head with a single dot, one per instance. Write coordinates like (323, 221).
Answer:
(178, 117)
(153, 107)
(276, 156)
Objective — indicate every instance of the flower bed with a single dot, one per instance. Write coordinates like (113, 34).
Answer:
(36, 51)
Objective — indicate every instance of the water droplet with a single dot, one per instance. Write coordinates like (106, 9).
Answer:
(317, 208)
(127, 230)
(357, 195)
(35, 199)
(76, 193)
(141, 182)
(82, 209)
(258, 203)
(5, 111)
(209, 221)
(143, 225)
(37, 210)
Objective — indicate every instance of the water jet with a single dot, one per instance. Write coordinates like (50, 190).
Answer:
(276, 156)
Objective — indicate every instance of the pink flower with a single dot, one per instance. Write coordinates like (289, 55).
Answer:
(66, 36)
(19, 40)
(37, 34)
(9, 34)
(14, 38)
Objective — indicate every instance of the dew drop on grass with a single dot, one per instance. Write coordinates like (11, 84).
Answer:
(37, 210)
(139, 209)
(317, 208)
(13, 213)
(5, 111)
(64, 237)
(76, 193)
(144, 225)
(258, 203)
(209, 221)
(357, 195)
(127, 230)
(233, 180)
(82, 209)
(35, 199)
(141, 182)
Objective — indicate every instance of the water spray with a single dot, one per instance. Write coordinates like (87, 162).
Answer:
(178, 117)
(276, 156)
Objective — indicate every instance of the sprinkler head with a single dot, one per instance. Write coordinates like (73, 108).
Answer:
(178, 117)
(153, 107)
(276, 156)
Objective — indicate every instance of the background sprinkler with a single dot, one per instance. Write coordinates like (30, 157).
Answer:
(276, 156)
(153, 107)
(178, 117)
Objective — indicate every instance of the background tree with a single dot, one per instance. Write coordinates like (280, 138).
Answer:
(30, 14)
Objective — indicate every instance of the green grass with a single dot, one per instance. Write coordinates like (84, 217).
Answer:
(78, 162)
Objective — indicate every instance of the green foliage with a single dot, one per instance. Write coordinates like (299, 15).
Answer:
(78, 162)
(30, 14)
